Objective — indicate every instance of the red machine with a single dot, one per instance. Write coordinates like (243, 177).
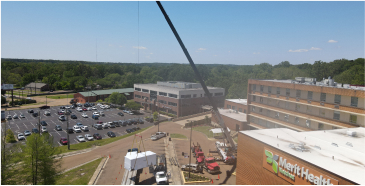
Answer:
(211, 166)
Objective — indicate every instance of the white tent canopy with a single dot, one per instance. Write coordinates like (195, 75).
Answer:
(218, 130)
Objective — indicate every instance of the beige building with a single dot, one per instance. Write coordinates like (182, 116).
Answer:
(304, 104)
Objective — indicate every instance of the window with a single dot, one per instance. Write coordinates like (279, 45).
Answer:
(277, 90)
(194, 95)
(297, 107)
(162, 101)
(336, 115)
(287, 92)
(143, 97)
(353, 118)
(145, 90)
(323, 97)
(261, 88)
(322, 112)
(298, 94)
(239, 109)
(261, 99)
(310, 95)
(153, 94)
(269, 90)
(309, 109)
(268, 113)
(296, 120)
(172, 95)
(260, 110)
(233, 108)
(287, 105)
(354, 101)
(308, 123)
(338, 99)
(253, 119)
(269, 101)
(254, 98)
(253, 108)
(162, 93)
(137, 89)
(286, 116)
(137, 96)
(253, 87)
(218, 94)
(211, 94)
(228, 106)
(185, 96)
(320, 126)
(244, 110)
(173, 104)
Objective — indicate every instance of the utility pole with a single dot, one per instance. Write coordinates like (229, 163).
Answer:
(68, 134)
(191, 132)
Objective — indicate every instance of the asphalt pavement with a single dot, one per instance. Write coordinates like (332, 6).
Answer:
(30, 122)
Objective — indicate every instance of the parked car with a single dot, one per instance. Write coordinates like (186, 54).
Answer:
(89, 137)
(140, 121)
(62, 118)
(149, 120)
(62, 107)
(98, 126)
(60, 113)
(111, 134)
(116, 123)
(22, 116)
(76, 129)
(123, 123)
(93, 108)
(99, 122)
(21, 136)
(79, 124)
(136, 128)
(30, 111)
(80, 138)
(63, 141)
(102, 113)
(96, 113)
(70, 130)
(84, 115)
(120, 114)
(95, 117)
(67, 107)
(35, 114)
(111, 124)
(129, 130)
(84, 128)
(192, 167)
(79, 109)
(44, 129)
(89, 108)
(47, 113)
(15, 116)
(27, 133)
(105, 125)
(43, 123)
(73, 116)
(97, 136)
(44, 107)
(84, 109)
(34, 130)
(9, 117)
(58, 127)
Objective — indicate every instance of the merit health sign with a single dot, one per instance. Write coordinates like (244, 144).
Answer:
(294, 172)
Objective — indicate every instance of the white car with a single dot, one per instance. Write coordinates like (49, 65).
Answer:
(47, 113)
(27, 133)
(102, 106)
(130, 113)
(99, 104)
(21, 136)
(89, 108)
(76, 129)
(9, 117)
(161, 178)
(22, 116)
(96, 113)
(106, 106)
(67, 107)
(80, 138)
(89, 137)
(84, 115)
(102, 113)
(94, 108)
(15, 116)
(79, 109)
(44, 129)
(105, 125)
(85, 128)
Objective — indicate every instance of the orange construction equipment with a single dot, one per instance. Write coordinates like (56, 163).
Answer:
(212, 181)
(218, 177)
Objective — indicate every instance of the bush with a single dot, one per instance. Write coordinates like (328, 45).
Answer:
(23, 101)
(99, 101)
(10, 138)
(168, 114)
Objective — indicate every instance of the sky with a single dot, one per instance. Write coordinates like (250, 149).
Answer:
(214, 32)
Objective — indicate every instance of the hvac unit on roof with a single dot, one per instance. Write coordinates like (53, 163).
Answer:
(351, 133)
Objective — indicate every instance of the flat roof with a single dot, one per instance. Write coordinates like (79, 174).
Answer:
(240, 101)
(318, 83)
(349, 162)
(239, 116)
(106, 92)
(158, 88)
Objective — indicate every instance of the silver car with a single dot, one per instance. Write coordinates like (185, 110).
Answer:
(21, 136)
(80, 138)
(89, 137)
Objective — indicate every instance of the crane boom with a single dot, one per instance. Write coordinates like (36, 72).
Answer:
(215, 109)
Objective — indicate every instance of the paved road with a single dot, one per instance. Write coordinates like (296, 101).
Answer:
(30, 122)
(113, 172)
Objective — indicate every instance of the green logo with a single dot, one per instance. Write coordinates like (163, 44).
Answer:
(272, 159)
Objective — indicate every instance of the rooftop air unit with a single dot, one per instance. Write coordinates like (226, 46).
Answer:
(351, 133)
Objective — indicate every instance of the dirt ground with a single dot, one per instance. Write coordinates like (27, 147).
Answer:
(42, 100)
(114, 170)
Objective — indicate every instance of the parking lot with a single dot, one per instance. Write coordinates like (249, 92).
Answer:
(30, 122)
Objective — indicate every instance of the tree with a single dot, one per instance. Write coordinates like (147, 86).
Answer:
(3, 100)
(9, 159)
(133, 105)
(155, 116)
(10, 136)
(40, 160)
(117, 98)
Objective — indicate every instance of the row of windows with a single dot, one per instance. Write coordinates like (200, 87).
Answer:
(172, 104)
(137, 96)
(186, 96)
(234, 108)
(162, 101)
(337, 99)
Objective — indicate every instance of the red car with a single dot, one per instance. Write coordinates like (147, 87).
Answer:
(63, 141)
(99, 122)
(97, 136)
(84, 109)
(60, 113)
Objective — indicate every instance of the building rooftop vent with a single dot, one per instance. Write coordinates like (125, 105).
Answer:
(351, 133)
(349, 144)
(317, 147)
(334, 144)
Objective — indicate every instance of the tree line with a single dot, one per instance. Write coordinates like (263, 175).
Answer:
(76, 75)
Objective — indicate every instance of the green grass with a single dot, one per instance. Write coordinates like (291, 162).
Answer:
(178, 136)
(74, 177)
(61, 96)
(81, 146)
(194, 177)
(235, 139)
(204, 130)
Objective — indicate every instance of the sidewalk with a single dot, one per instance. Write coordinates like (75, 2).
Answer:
(174, 170)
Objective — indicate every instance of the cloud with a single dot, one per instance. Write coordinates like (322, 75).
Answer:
(202, 49)
(314, 48)
(332, 41)
(299, 50)
(140, 47)
(256, 53)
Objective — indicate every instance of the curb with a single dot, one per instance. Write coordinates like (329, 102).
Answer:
(67, 154)
(97, 172)
(79, 165)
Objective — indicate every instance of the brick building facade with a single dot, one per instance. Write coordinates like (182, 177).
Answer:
(178, 98)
